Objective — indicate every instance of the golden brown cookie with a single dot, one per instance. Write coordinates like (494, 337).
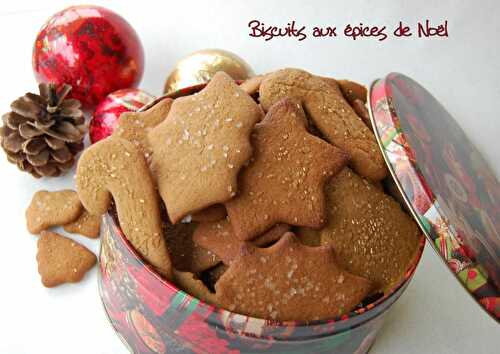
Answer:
(62, 260)
(200, 147)
(353, 91)
(86, 224)
(214, 212)
(289, 281)
(330, 113)
(52, 209)
(362, 112)
(308, 237)
(135, 126)
(252, 85)
(186, 255)
(114, 169)
(213, 275)
(284, 182)
(190, 284)
(371, 235)
(219, 238)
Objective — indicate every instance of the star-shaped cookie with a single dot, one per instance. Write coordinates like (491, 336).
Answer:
(134, 126)
(188, 256)
(218, 237)
(284, 182)
(331, 114)
(289, 281)
(86, 224)
(200, 147)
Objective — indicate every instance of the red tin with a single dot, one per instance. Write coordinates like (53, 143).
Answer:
(152, 316)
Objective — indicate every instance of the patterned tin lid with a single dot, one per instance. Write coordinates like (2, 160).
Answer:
(450, 189)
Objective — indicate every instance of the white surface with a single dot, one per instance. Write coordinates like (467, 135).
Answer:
(434, 315)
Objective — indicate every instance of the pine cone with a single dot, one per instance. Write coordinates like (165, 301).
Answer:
(44, 132)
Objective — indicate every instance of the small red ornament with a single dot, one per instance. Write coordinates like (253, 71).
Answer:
(91, 48)
(107, 113)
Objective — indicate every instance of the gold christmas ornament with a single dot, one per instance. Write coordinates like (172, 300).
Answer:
(199, 67)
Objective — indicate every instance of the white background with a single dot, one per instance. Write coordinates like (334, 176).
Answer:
(434, 315)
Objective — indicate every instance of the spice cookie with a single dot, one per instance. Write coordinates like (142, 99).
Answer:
(187, 255)
(219, 238)
(285, 179)
(353, 91)
(252, 85)
(371, 235)
(289, 282)
(212, 276)
(114, 169)
(52, 209)
(360, 108)
(62, 260)
(330, 113)
(134, 126)
(86, 224)
(201, 146)
(214, 212)
(190, 284)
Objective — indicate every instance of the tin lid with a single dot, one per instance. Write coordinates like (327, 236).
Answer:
(450, 189)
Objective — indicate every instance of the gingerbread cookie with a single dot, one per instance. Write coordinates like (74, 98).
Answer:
(284, 182)
(330, 113)
(353, 91)
(212, 276)
(52, 209)
(219, 238)
(135, 126)
(360, 108)
(201, 146)
(371, 235)
(114, 167)
(86, 224)
(289, 281)
(214, 212)
(188, 282)
(252, 85)
(186, 255)
(62, 260)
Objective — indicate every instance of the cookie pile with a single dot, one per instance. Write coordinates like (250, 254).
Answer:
(264, 199)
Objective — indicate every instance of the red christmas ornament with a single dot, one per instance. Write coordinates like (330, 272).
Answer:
(91, 48)
(107, 113)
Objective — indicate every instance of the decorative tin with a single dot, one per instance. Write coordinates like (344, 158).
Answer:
(451, 191)
(152, 316)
